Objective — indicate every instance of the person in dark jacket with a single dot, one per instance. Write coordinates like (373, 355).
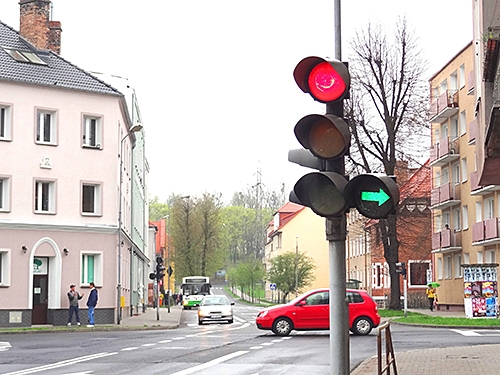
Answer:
(91, 304)
(74, 297)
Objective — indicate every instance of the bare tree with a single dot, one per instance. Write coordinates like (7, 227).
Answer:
(387, 115)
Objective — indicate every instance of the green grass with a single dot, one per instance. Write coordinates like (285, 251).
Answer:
(416, 318)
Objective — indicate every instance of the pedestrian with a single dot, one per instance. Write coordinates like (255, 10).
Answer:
(74, 297)
(431, 295)
(91, 304)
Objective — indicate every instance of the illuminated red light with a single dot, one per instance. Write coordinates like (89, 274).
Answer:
(325, 83)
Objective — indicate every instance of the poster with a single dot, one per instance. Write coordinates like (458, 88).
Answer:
(480, 291)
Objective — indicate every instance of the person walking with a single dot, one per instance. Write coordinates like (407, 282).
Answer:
(74, 297)
(91, 304)
(431, 295)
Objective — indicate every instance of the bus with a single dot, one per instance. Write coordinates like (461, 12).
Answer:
(193, 289)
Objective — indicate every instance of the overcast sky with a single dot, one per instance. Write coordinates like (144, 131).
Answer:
(214, 78)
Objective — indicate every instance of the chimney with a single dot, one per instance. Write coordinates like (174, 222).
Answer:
(36, 26)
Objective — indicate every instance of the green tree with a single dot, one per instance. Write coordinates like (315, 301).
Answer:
(246, 276)
(157, 209)
(291, 272)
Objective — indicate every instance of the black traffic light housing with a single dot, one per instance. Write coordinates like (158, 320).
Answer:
(401, 268)
(160, 268)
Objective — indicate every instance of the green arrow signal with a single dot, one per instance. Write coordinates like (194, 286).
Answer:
(381, 197)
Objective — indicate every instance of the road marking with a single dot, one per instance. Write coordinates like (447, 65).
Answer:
(148, 344)
(466, 332)
(473, 333)
(4, 345)
(164, 341)
(211, 363)
(129, 349)
(68, 362)
(256, 347)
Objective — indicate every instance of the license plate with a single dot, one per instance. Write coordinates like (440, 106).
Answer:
(215, 316)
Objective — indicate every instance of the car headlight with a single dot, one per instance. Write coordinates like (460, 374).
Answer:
(263, 313)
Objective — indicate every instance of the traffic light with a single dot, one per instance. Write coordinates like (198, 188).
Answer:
(373, 195)
(160, 268)
(401, 268)
(325, 138)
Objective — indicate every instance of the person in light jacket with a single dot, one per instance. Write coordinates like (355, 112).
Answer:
(74, 297)
(91, 304)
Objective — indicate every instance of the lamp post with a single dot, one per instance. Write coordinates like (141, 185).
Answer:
(168, 262)
(133, 129)
(296, 266)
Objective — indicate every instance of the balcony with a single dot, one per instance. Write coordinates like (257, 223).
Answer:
(446, 241)
(485, 233)
(444, 152)
(473, 131)
(446, 195)
(444, 107)
(476, 189)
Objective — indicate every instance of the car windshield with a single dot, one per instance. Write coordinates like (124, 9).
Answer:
(213, 301)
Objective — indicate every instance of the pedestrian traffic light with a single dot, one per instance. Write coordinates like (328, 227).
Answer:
(160, 268)
(401, 268)
(325, 138)
(373, 195)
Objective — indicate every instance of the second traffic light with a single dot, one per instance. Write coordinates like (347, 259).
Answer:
(160, 268)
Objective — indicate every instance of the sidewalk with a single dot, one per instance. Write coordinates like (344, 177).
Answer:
(464, 360)
(149, 319)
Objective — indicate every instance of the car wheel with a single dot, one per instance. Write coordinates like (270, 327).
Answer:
(282, 327)
(362, 326)
(230, 321)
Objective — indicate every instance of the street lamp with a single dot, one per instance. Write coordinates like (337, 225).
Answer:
(168, 262)
(133, 129)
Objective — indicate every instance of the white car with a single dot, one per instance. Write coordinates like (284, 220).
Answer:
(215, 309)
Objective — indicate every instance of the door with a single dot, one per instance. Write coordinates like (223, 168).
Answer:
(314, 312)
(40, 299)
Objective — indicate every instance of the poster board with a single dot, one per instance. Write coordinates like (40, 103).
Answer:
(480, 290)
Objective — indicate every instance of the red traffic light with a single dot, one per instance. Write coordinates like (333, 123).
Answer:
(326, 81)
(322, 192)
(326, 136)
(374, 196)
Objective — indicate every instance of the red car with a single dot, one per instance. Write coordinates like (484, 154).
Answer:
(311, 311)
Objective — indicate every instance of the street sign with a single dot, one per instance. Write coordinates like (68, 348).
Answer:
(272, 286)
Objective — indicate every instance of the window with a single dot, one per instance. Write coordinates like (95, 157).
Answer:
(4, 193)
(4, 267)
(91, 198)
(353, 297)
(92, 132)
(45, 197)
(455, 169)
(462, 123)
(440, 268)
(447, 267)
(454, 128)
(46, 127)
(320, 298)
(457, 262)
(456, 219)
(466, 258)
(5, 123)
(489, 208)
(490, 256)
(462, 75)
(418, 273)
(24, 56)
(91, 269)
(464, 169)
(480, 257)
(465, 217)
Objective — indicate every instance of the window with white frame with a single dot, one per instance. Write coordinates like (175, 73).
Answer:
(4, 267)
(462, 123)
(5, 122)
(466, 258)
(464, 169)
(489, 208)
(479, 256)
(45, 196)
(454, 81)
(91, 198)
(447, 267)
(454, 127)
(92, 267)
(440, 268)
(457, 262)
(46, 127)
(417, 272)
(461, 75)
(92, 131)
(490, 256)
(479, 212)
(465, 217)
(455, 170)
(457, 221)
(4, 193)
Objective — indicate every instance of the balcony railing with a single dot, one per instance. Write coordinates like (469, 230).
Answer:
(486, 232)
(473, 130)
(471, 82)
(446, 240)
(445, 106)
(445, 196)
(444, 152)
(476, 189)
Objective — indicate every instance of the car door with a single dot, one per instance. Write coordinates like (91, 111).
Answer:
(313, 311)
(356, 306)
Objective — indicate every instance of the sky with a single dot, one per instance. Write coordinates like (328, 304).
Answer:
(214, 79)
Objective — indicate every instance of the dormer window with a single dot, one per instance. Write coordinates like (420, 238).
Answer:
(24, 56)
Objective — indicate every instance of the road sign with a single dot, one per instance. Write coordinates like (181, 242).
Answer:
(272, 286)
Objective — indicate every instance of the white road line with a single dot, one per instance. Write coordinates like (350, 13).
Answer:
(69, 362)
(466, 332)
(129, 349)
(210, 363)
(149, 344)
(164, 341)
(4, 345)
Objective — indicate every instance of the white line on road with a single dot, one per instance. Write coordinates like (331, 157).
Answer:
(69, 362)
(129, 349)
(466, 332)
(4, 345)
(211, 363)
